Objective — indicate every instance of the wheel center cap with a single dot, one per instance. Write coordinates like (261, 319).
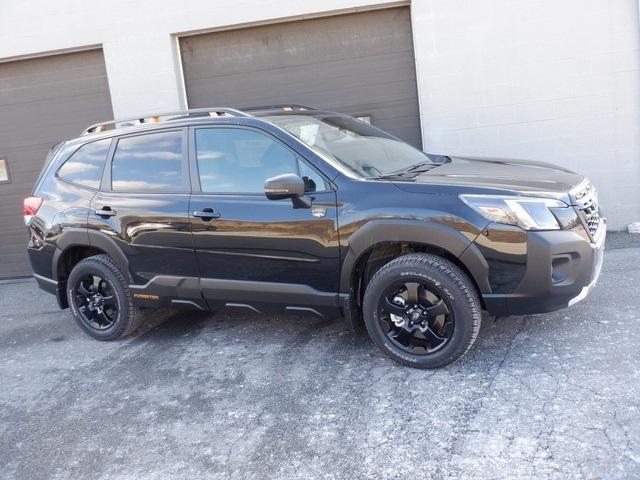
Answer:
(96, 300)
(415, 316)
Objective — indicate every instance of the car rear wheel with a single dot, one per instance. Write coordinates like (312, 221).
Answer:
(100, 299)
(422, 311)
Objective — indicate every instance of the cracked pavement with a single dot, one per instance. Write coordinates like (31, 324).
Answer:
(197, 395)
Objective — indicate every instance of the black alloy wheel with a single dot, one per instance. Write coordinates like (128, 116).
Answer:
(416, 317)
(96, 302)
(101, 299)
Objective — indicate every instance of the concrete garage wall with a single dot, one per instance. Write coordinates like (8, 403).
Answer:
(138, 39)
(554, 80)
(557, 81)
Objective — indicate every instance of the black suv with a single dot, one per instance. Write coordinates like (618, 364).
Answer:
(292, 209)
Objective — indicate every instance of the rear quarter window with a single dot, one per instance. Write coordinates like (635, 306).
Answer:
(86, 165)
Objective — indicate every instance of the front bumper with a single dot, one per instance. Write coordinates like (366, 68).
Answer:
(562, 267)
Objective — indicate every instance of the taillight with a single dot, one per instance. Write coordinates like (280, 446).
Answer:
(30, 207)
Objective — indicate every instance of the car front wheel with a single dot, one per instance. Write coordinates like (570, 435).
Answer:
(422, 311)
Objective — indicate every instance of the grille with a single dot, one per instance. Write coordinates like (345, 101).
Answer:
(587, 201)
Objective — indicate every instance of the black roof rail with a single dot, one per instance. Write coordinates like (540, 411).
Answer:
(164, 117)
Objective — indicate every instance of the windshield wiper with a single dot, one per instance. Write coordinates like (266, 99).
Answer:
(416, 169)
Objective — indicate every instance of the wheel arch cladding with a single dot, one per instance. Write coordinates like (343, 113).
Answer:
(433, 235)
(92, 241)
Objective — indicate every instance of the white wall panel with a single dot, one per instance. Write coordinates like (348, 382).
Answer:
(550, 80)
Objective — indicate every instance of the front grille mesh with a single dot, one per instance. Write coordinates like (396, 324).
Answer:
(587, 201)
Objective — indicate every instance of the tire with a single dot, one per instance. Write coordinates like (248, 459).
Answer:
(118, 317)
(451, 291)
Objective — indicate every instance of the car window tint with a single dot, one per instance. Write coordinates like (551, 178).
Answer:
(238, 160)
(151, 162)
(85, 166)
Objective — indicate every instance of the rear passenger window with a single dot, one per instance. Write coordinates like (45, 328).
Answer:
(239, 160)
(85, 166)
(148, 163)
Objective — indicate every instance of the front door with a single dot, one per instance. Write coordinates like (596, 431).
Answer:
(257, 254)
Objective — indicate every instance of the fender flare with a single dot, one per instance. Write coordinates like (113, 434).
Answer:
(427, 233)
(82, 237)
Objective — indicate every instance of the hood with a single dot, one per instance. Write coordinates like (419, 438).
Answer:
(518, 176)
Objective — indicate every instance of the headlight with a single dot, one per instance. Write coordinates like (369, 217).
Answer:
(526, 212)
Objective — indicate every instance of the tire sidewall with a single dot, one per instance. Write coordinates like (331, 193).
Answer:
(455, 298)
(87, 267)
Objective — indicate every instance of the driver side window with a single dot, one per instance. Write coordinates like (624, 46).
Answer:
(239, 160)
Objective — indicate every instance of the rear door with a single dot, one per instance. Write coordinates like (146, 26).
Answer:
(142, 206)
(255, 253)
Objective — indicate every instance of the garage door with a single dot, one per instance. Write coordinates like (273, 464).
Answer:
(361, 64)
(42, 101)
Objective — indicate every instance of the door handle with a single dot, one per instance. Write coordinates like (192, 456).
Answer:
(206, 214)
(105, 212)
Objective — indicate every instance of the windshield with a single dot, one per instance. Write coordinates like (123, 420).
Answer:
(356, 145)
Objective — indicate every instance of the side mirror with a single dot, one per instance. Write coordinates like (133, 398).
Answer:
(288, 185)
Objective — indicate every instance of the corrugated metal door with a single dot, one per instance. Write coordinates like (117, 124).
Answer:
(361, 64)
(42, 101)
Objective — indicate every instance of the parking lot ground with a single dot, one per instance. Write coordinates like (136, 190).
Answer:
(213, 396)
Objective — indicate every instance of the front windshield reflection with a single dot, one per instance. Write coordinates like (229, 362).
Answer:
(363, 149)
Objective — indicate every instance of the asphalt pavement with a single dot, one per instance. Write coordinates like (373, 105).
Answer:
(195, 396)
